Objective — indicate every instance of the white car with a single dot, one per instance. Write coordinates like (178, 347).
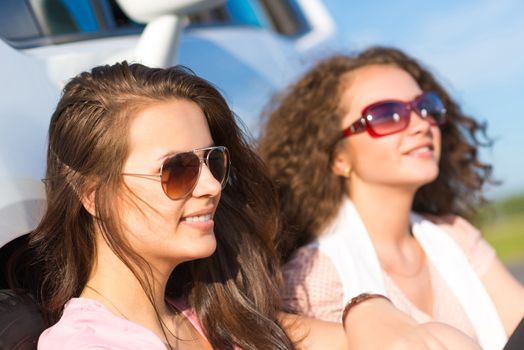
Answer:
(247, 48)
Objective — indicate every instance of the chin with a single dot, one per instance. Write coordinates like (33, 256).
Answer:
(200, 248)
(421, 175)
(432, 176)
(423, 181)
(415, 183)
(426, 180)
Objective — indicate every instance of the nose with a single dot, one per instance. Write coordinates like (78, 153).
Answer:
(418, 124)
(207, 185)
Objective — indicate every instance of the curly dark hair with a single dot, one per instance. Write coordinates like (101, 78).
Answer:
(303, 123)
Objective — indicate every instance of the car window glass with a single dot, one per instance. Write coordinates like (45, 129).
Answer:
(58, 17)
(16, 20)
(33, 23)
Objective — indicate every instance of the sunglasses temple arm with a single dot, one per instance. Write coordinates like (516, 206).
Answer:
(358, 127)
(354, 128)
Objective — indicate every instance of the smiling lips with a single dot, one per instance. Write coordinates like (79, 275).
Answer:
(202, 221)
(198, 218)
(424, 150)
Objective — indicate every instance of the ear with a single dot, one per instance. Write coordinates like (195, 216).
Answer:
(88, 200)
(341, 162)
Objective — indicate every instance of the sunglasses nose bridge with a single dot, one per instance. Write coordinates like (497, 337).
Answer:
(203, 155)
(413, 107)
(420, 122)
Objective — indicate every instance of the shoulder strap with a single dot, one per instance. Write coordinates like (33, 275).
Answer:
(457, 272)
(348, 245)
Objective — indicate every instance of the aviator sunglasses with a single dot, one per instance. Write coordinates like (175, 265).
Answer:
(388, 117)
(179, 173)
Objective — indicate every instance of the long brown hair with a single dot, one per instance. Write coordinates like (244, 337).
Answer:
(303, 123)
(234, 291)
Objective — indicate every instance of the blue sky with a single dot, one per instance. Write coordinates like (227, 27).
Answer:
(476, 49)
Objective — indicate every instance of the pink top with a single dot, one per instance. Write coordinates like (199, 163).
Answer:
(87, 324)
(313, 287)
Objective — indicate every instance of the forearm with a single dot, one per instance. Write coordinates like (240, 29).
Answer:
(377, 324)
(313, 334)
(374, 324)
(507, 294)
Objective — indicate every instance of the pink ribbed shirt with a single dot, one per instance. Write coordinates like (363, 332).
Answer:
(87, 324)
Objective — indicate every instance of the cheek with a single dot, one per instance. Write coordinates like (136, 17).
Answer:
(151, 200)
(373, 157)
(163, 218)
(437, 142)
(151, 214)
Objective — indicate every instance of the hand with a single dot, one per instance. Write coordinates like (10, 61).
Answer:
(451, 337)
(377, 324)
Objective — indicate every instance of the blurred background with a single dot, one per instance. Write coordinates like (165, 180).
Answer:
(251, 49)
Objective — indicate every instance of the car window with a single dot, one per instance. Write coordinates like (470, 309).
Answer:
(16, 20)
(32, 23)
(281, 16)
(43, 22)
(285, 16)
(58, 17)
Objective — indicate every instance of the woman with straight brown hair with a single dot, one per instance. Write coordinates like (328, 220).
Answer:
(137, 160)
(160, 223)
(375, 166)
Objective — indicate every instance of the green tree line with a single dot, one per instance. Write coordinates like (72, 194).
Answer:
(502, 224)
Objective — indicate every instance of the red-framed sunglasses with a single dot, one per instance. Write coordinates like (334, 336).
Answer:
(388, 117)
(179, 173)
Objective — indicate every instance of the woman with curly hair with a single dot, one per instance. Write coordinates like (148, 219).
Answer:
(375, 166)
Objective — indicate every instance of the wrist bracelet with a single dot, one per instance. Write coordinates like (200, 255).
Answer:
(357, 300)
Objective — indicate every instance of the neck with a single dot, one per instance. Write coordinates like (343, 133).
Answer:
(120, 290)
(384, 210)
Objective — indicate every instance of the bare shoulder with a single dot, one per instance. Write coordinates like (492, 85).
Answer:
(456, 226)
(312, 285)
(309, 263)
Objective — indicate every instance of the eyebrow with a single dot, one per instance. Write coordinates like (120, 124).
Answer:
(172, 153)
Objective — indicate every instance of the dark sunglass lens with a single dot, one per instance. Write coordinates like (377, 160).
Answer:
(179, 174)
(218, 163)
(387, 118)
(430, 105)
